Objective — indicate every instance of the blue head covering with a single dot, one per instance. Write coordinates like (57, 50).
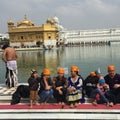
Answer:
(101, 81)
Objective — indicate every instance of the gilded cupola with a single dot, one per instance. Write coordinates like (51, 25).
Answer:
(10, 22)
(49, 21)
(25, 23)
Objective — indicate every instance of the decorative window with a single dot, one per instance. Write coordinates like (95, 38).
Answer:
(49, 37)
(22, 37)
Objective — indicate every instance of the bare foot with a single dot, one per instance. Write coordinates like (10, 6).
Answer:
(45, 103)
(63, 104)
(72, 106)
(37, 103)
(76, 104)
(111, 104)
(42, 103)
(108, 104)
(30, 106)
(94, 103)
(60, 103)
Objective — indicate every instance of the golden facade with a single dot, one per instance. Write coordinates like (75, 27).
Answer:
(25, 33)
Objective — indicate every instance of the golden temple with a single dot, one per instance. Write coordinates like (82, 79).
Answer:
(25, 33)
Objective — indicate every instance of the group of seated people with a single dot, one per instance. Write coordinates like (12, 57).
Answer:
(73, 90)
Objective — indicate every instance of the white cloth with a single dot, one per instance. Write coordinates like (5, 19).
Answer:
(11, 74)
(12, 65)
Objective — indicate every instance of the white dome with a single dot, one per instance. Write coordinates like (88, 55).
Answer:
(56, 20)
(61, 27)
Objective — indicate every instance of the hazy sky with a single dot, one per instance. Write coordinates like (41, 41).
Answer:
(72, 14)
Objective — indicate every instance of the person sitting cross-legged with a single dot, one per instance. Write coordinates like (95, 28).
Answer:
(60, 86)
(74, 88)
(46, 91)
(113, 80)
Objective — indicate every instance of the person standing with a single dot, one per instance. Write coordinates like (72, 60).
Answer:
(9, 56)
(33, 82)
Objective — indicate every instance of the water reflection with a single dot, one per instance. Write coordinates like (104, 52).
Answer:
(87, 58)
(37, 60)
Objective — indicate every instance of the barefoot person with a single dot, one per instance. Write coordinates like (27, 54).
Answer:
(113, 80)
(9, 56)
(103, 87)
(46, 91)
(60, 86)
(33, 82)
(74, 88)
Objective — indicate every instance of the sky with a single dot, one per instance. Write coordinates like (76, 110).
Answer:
(72, 14)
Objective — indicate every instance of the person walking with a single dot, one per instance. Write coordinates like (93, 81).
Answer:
(9, 56)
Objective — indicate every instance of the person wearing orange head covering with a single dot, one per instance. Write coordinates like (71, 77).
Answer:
(74, 88)
(90, 83)
(46, 90)
(91, 89)
(60, 86)
(113, 80)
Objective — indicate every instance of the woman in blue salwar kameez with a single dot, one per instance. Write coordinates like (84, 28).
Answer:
(74, 88)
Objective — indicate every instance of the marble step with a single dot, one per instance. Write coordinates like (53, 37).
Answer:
(76, 114)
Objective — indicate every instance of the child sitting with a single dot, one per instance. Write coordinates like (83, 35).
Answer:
(103, 87)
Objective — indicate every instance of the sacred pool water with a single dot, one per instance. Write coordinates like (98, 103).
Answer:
(87, 58)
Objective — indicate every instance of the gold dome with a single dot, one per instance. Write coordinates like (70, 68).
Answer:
(49, 20)
(10, 22)
(25, 22)
(52, 22)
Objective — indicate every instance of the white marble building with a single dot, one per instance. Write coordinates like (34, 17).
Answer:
(111, 35)
(4, 36)
(90, 36)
